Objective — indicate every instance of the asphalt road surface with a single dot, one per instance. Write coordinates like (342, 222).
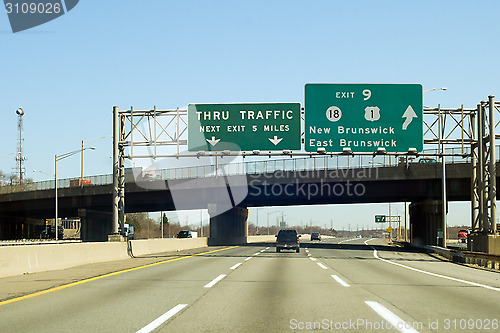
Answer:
(337, 285)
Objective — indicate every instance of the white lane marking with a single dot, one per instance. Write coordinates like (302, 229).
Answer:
(308, 254)
(267, 248)
(214, 281)
(161, 319)
(248, 258)
(475, 284)
(347, 240)
(313, 259)
(321, 265)
(262, 250)
(339, 280)
(307, 250)
(256, 254)
(397, 322)
(236, 266)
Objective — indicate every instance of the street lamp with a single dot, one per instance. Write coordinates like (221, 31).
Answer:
(268, 219)
(428, 91)
(58, 158)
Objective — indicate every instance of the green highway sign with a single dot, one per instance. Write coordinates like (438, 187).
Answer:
(379, 218)
(363, 117)
(244, 127)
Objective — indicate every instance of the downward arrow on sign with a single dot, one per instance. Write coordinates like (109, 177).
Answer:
(213, 142)
(275, 140)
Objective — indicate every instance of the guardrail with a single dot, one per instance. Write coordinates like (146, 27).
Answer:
(330, 162)
(482, 259)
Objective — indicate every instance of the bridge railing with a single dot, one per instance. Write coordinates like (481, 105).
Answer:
(329, 162)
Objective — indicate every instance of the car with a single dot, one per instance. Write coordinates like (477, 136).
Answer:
(315, 236)
(427, 160)
(288, 239)
(359, 236)
(184, 234)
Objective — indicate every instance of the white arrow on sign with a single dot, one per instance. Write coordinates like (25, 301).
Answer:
(275, 140)
(409, 115)
(214, 141)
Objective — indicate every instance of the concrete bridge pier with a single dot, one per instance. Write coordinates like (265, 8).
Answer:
(228, 228)
(95, 225)
(426, 222)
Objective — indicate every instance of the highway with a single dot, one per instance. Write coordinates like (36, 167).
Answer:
(336, 285)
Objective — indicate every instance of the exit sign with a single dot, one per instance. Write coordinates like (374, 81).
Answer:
(363, 117)
(379, 218)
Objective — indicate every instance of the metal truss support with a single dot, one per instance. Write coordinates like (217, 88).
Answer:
(118, 173)
(483, 201)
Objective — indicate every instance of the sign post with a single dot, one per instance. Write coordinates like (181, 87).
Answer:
(363, 117)
(244, 127)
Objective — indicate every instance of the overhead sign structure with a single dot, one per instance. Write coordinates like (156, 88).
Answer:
(244, 127)
(363, 117)
(379, 218)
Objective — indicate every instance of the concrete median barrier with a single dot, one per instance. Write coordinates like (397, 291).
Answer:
(142, 247)
(262, 238)
(17, 260)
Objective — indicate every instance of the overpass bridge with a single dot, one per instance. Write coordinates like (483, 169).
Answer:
(234, 187)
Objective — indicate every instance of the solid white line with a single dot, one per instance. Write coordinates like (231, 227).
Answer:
(313, 259)
(475, 284)
(236, 266)
(339, 280)
(214, 281)
(161, 319)
(397, 322)
(321, 265)
(248, 258)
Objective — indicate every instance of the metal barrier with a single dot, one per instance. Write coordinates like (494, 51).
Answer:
(482, 259)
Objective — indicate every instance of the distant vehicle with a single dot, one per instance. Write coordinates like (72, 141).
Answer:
(49, 232)
(427, 160)
(315, 236)
(287, 239)
(359, 236)
(462, 236)
(129, 231)
(185, 234)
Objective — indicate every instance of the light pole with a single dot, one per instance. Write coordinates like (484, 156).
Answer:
(428, 91)
(268, 219)
(58, 158)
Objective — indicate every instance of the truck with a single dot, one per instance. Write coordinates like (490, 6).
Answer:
(128, 231)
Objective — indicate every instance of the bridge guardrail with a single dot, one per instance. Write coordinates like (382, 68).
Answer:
(482, 259)
(330, 162)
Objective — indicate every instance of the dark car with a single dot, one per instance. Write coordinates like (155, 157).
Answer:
(287, 239)
(184, 234)
(315, 236)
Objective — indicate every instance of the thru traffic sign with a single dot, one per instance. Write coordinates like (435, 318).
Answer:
(363, 117)
(245, 127)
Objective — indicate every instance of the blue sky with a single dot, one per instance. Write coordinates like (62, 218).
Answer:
(67, 74)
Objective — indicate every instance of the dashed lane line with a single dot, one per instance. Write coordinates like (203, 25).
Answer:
(161, 319)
